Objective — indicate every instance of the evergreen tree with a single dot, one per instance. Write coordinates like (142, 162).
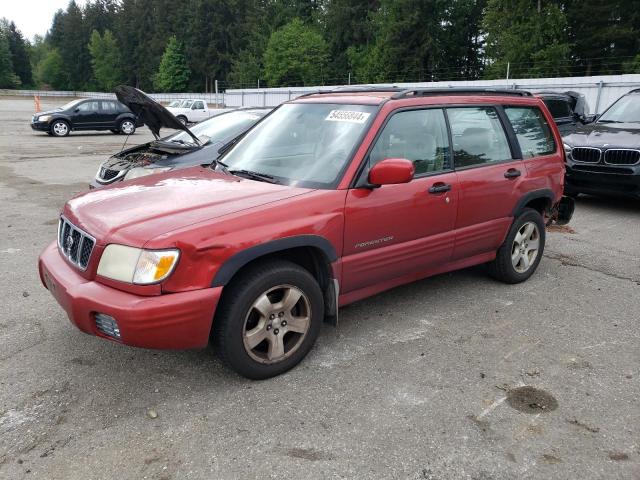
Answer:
(8, 79)
(19, 49)
(532, 38)
(173, 73)
(107, 66)
(296, 54)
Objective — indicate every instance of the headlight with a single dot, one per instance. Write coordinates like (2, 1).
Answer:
(567, 149)
(43, 118)
(143, 172)
(135, 265)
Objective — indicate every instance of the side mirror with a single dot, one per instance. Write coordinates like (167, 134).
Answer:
(76, 110)
(590, 118)
(392, 171)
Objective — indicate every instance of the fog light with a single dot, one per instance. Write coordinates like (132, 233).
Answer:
(107, 325)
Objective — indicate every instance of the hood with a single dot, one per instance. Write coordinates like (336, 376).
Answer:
(154, 115)
(134, 212)
(606, 135)
(47, 112)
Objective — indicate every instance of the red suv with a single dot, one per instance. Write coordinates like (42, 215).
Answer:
(331, 198)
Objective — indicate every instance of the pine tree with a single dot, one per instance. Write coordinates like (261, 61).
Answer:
(106, 61)
(19, 49)
(8, 79)
(173, 73)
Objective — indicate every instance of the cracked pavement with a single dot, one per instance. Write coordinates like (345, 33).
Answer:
(416, 383)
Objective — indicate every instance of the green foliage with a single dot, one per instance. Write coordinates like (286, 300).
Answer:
(106, 61)
(51, 71)
(19, 49)
(173, 73)
(8, 79)
(533, 41)
(296, 54)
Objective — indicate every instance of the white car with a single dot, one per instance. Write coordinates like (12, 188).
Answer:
(194, 110)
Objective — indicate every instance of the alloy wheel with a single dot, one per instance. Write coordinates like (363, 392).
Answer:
(60, 129)
(276, 324)
(526, 245)
(127, 127)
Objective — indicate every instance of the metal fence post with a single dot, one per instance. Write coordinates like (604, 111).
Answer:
(242, 99)
(600, 85)
(264, 98)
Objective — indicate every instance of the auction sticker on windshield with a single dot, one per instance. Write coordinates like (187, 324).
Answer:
(347, 116)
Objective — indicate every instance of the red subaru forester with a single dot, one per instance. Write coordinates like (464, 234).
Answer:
(332, 198)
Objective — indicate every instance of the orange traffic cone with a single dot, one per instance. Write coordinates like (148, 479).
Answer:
(36, 100)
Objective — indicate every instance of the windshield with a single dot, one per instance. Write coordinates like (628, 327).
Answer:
(69, 105)
(303, 144)
(625, 110)
(186, 103)
(220, 127)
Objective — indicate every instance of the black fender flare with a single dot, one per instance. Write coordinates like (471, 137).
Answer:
(232, 265)
(533, 195)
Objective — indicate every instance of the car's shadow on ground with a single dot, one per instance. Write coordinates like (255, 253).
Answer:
(607, 202)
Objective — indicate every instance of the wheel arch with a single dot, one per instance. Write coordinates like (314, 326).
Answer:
(312, 252)
(539, 200)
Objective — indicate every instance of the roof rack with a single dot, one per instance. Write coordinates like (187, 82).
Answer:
(354, 90)
(425, 92)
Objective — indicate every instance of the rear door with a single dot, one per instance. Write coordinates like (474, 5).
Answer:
(87, 115)
(399, 230)
(109, 111)
(489, 175)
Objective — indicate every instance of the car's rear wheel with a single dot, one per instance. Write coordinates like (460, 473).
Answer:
(268, 319)
(183, 119)
(127, 127)
(59, 128)
(518, 257)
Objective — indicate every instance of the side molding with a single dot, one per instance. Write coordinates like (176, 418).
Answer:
(240, 259)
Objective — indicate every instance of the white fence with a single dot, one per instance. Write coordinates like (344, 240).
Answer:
(600, 91)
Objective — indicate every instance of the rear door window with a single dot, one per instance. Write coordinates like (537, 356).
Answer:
(532, 131)
(88, 107)
(198, 106)
(478, 136)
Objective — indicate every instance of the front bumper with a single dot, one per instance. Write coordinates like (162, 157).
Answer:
(615, 181)
(40, 126)
(170, 321)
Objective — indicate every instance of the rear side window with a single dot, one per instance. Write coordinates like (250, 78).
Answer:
(532, 130)
(109, 107)
(558, 108)
(198, 106)
(478, 136)
(417, 135)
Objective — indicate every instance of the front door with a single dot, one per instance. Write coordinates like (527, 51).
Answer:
(198, 111)
(401, 230)
(87, 115)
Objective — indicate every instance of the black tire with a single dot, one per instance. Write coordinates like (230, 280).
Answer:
(571, 191)
(59, 128)
(49, 133)
(127, 126)
(503, 268)
(237, 305)
(115, 131)
(183, 120)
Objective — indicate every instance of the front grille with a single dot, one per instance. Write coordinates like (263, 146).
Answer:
(622, 157)
(106, 174)
(74, 244)
(603, 169)
(586, 154)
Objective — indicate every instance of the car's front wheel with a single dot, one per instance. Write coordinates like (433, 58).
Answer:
(127, 127)
(518, 257)
(59, 128)
(183, 119)
(268, 319)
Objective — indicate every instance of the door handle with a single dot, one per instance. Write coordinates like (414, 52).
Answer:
(439, 188)
(512, 173)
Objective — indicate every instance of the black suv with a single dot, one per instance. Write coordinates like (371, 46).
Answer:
(86, 114)
(568, 109)
(604, 157)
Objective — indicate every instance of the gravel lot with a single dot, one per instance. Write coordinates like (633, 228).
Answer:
(415, 383)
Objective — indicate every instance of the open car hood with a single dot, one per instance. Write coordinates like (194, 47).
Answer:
(150, 112)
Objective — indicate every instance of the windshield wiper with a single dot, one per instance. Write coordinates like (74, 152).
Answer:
(609, 121)
(262, 177)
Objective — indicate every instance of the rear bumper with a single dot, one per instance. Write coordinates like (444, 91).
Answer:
(609, 183)
(169, 321)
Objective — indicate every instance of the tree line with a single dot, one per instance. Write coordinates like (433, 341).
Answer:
(164, 45)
